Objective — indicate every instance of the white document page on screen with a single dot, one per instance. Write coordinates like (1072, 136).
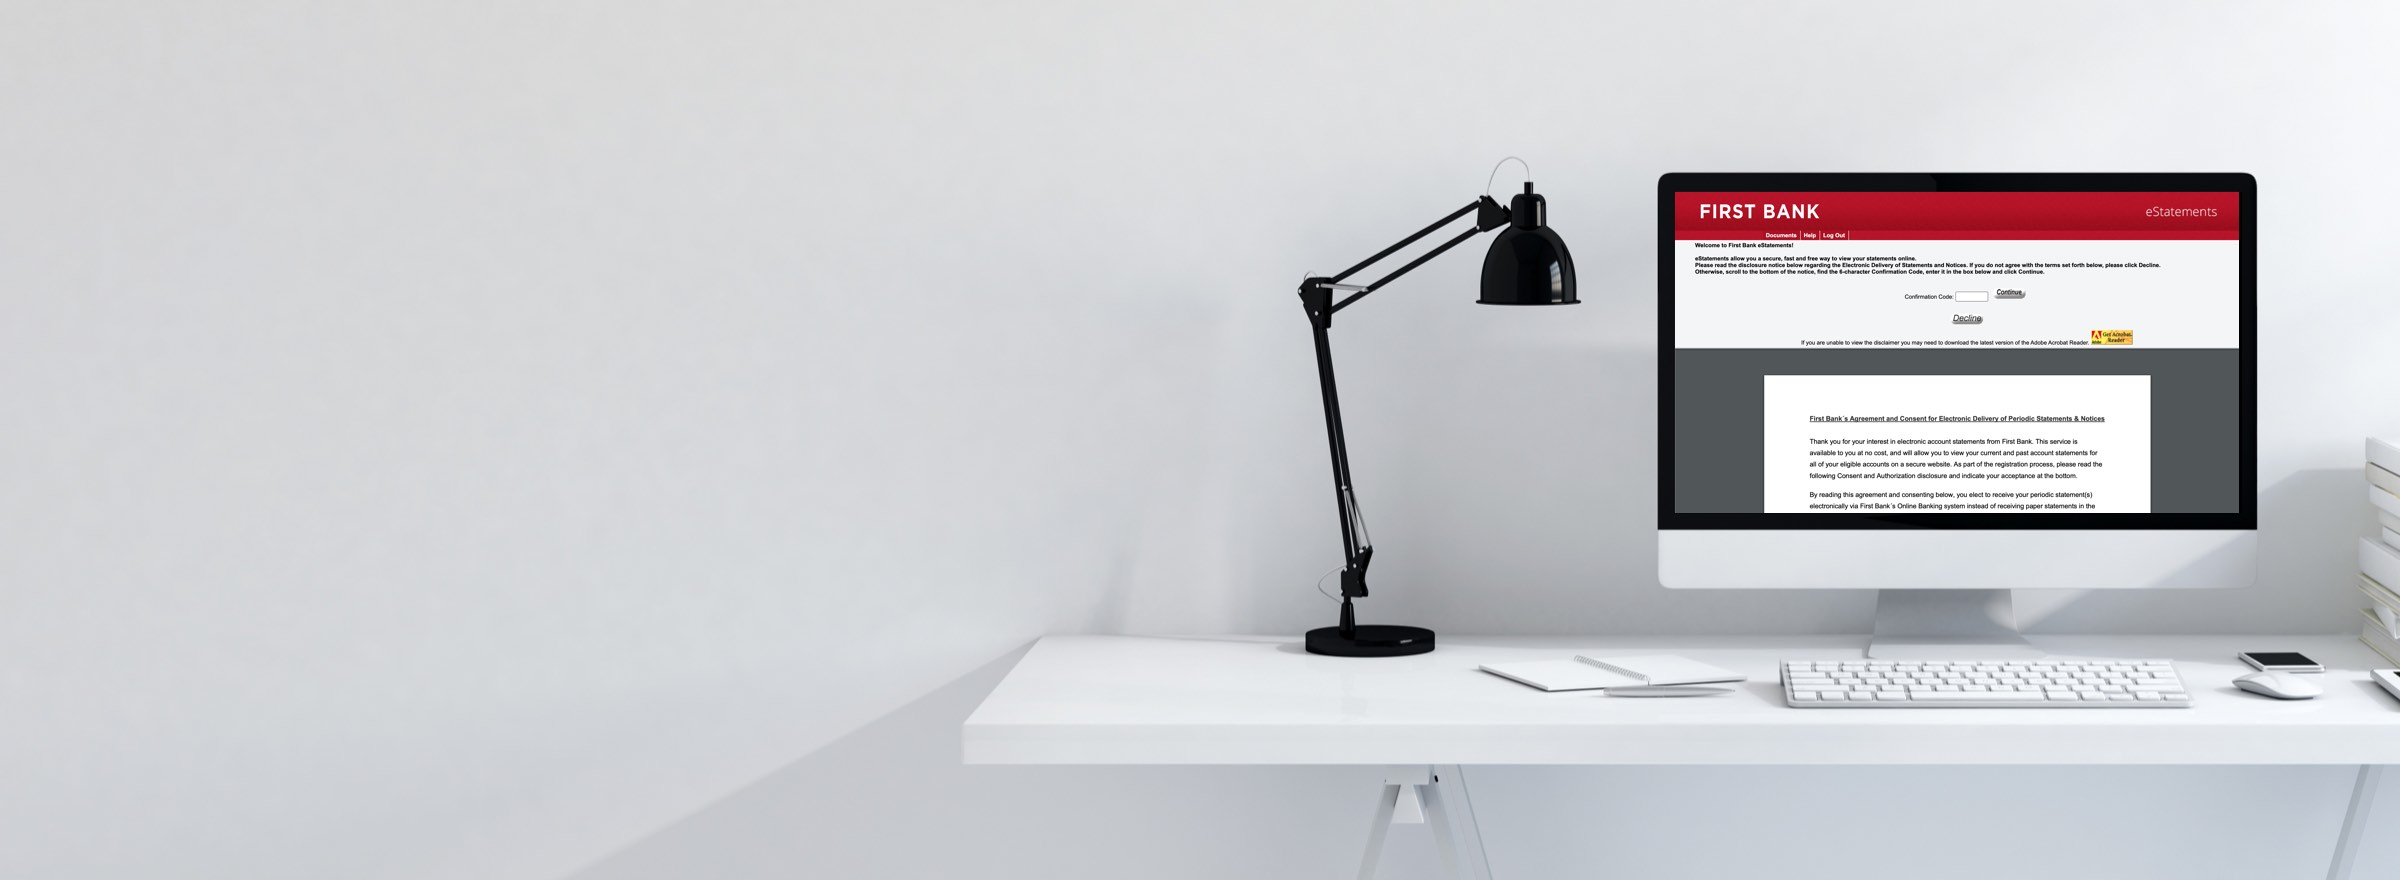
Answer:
(1957, 444)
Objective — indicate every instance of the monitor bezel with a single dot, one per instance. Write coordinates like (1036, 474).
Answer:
(2246, 518)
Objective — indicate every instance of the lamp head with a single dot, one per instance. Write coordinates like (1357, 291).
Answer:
(1528, 265)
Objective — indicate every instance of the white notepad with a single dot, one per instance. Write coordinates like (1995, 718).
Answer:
(1664, 669)
(1560, 675)
(1601, 673)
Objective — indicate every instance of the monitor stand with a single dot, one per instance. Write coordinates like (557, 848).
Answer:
(1947, 625)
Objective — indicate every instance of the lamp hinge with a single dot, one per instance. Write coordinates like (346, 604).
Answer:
(1354, 576)
(1489, 215)
(1316, 297)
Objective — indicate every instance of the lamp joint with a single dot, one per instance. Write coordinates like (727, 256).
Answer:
(1316, 296)
(1354, 575)
(1354, 583)
(1489, 215)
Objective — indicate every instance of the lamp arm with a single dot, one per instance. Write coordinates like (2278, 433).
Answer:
(1316, 296)
(1489, 215)
(1356, 554)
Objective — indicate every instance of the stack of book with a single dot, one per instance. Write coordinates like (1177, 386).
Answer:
(2379, 557)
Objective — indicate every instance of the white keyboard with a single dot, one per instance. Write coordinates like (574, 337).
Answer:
(1885, 684)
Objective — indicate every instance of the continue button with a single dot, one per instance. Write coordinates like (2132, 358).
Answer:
(2112, 337)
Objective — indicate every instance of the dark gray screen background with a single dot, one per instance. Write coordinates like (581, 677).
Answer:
(1721, 396)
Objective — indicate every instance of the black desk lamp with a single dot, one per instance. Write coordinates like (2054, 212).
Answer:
(1526, 266)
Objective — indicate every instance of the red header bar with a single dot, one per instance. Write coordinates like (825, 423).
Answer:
(1786, 216)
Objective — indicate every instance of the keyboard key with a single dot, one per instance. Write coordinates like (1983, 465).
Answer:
(1982, 696)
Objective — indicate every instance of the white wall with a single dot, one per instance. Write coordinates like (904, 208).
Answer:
(623, 439)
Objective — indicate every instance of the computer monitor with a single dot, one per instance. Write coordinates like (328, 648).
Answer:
(1949, 386)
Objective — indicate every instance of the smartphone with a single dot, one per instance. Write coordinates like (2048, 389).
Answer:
(2281, 661)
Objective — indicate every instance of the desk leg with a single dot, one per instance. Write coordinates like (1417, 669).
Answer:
(1430, 794)
(2354, 824)
(1454, 827)
(1376, 831)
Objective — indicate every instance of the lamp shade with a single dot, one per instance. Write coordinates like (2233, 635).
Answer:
(1528, 265)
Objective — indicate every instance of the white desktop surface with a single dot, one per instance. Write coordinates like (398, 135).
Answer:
(1261, 700)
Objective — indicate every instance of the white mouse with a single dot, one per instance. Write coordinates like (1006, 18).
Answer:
(2280, 685)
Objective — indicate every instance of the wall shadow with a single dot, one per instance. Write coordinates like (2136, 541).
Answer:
(893, 799)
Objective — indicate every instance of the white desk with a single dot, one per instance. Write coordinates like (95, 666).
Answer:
(1261, 700)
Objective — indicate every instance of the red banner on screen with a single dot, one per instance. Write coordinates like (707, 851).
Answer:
(1867, 216)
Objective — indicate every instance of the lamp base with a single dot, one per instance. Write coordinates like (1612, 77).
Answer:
(1371, 640)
